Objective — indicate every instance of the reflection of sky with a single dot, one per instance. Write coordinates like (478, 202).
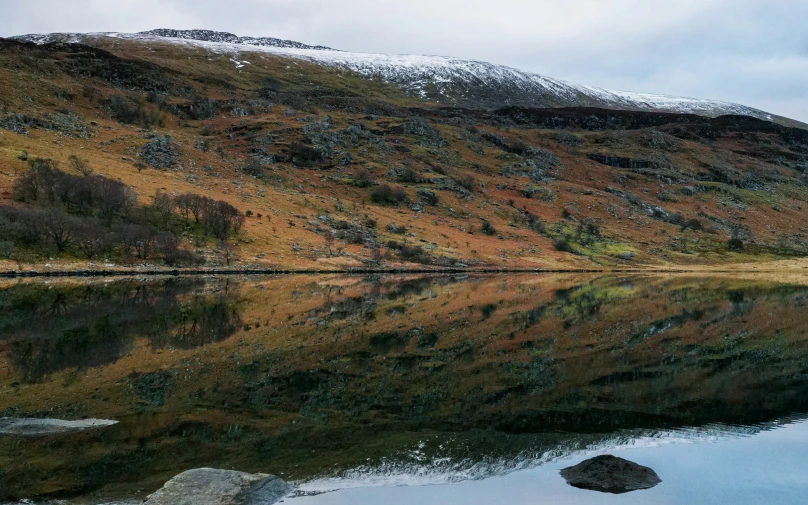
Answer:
(768, 468)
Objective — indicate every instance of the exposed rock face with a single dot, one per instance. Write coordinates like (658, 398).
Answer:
(208, 486)
(213, 36)
(27, 427)
(610, 474)
(161, 152)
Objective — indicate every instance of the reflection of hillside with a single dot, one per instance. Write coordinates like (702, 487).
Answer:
(326, 375)
(51, 328)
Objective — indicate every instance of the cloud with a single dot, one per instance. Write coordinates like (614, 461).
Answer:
(746, 51)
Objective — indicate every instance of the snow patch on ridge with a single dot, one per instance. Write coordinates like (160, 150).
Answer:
(417, 74)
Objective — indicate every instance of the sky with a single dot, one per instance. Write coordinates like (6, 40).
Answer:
(753, 52)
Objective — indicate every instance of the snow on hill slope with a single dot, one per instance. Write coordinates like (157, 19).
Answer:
(441, 79)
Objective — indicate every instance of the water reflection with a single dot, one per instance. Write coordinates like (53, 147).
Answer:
(322, 377)
(49, 328)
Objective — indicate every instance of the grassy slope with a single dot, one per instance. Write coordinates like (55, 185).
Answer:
(287, 194)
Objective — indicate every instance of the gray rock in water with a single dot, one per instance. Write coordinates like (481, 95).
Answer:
(610, 474)
(208, 486)
(30, 427)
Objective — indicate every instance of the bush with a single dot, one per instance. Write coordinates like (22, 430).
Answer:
(408, 174)
(468, 182)
(200, 108)
(534, 223)
(79, 165)
(304, 155)
(91, 93)
(413, 254)
(7, 249)
(363, 179)
(253, 167)
(387, 195)
(91, 215)
(58, 228)
(125, 111)
(488, 229)
(182, 257)
(694, 224)
(563, 245)
(735, 244)
(45, 184)
(92, 239)
(220, 218)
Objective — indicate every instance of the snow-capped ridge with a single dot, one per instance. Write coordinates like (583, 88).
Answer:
(229, 38)
(441, 79)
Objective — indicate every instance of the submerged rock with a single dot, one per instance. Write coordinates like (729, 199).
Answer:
(610, 474)
(30, 427)
(208, 486)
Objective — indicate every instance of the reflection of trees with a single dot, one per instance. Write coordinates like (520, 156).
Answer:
(85, 346)
(54, 328)
(200, 322)
(338, 307)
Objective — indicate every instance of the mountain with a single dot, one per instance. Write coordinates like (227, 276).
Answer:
(445, 80)
(162, 149)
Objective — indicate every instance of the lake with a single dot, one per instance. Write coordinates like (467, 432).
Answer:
(409, 389)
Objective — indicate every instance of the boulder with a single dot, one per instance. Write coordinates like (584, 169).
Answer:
(31, 427)
(610, 474)
(162, 152)
(208, 486)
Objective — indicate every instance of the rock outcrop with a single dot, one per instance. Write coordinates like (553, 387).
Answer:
(31, 427)
(208, 486)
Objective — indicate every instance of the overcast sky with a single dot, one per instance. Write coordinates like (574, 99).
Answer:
(750, 51)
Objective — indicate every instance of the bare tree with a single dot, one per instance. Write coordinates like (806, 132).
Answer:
(329, 241)
(79, 165)
(376, 255)
(196, 204)
(228, 252)
(58, 228)
(184, 203)
(92, 240)
(113, 198)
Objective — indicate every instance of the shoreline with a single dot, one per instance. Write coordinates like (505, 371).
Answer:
(156, 272)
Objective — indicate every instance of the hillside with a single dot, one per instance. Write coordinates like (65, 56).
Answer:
(332, 169)
(439, 79)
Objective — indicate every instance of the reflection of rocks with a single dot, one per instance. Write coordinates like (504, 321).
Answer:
(27, 427)
(153, 386)
(610, 474)
(206, 486)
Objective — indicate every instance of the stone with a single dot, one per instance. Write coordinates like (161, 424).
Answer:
(32, 427)
(610, 474)
(208, 486)
(161, 152)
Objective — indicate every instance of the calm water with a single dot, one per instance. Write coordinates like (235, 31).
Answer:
(409, 389)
